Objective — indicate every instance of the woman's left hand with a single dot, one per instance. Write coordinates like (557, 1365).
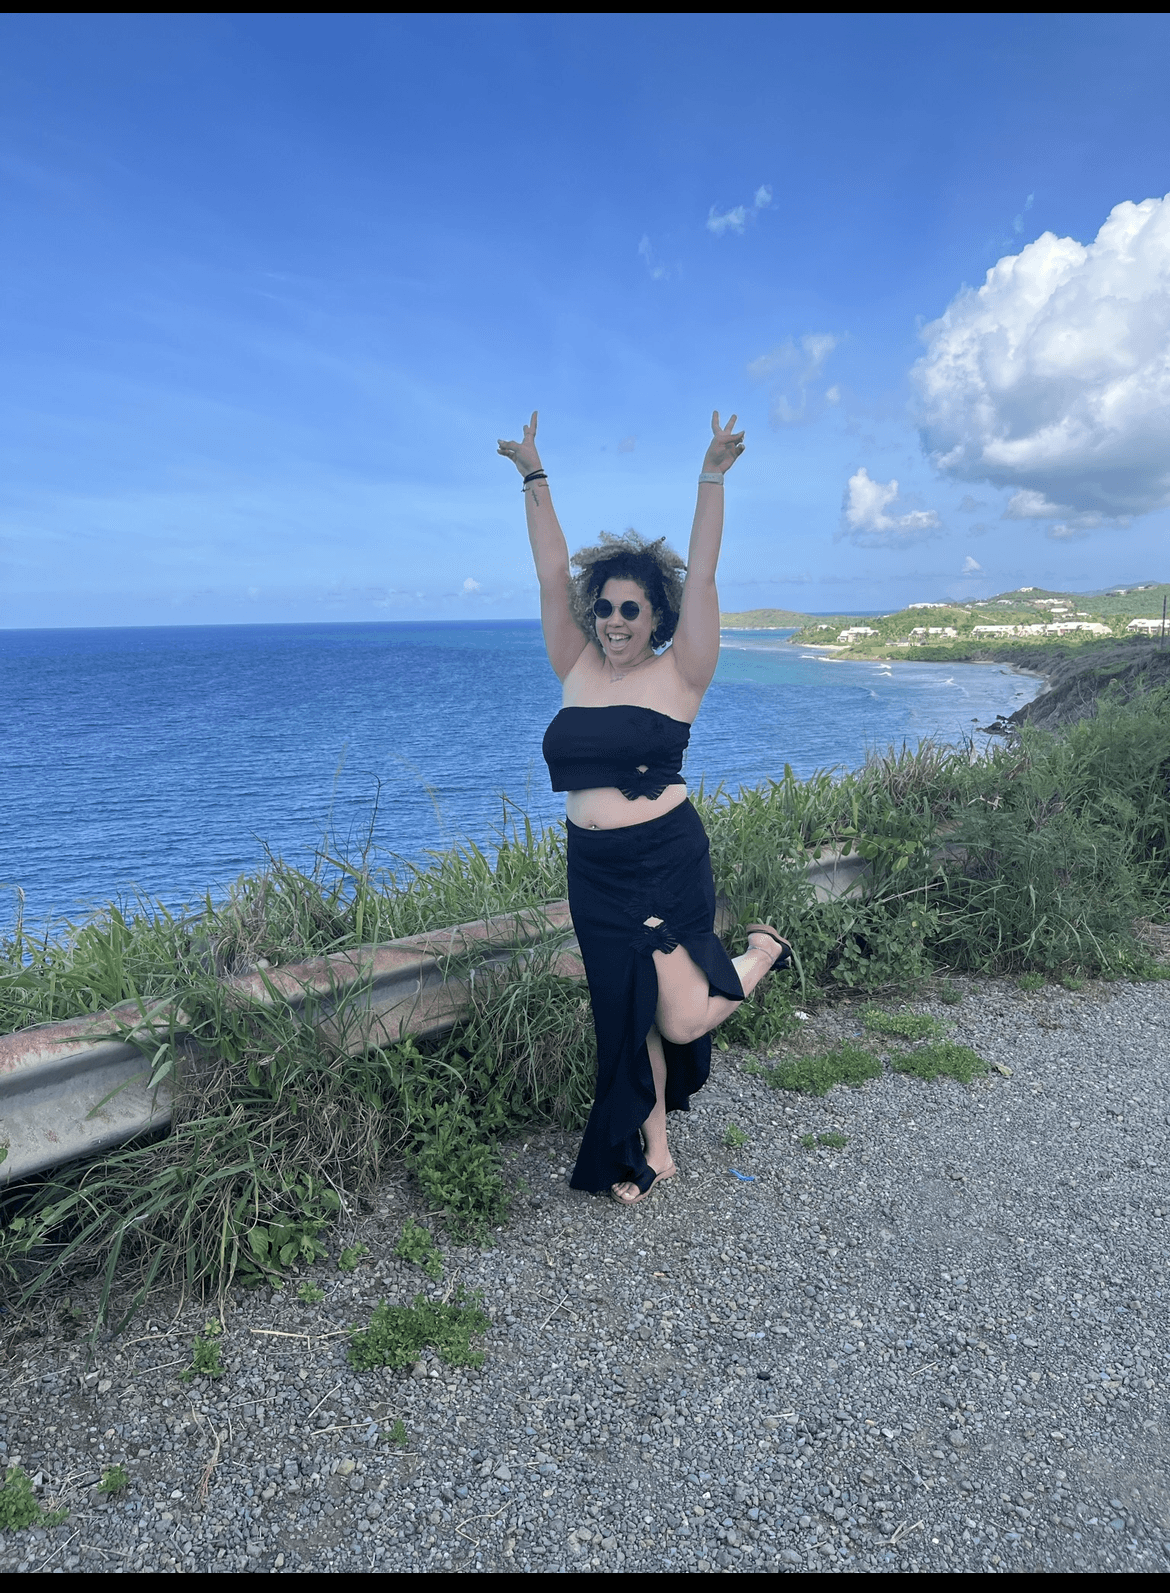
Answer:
(725, 446)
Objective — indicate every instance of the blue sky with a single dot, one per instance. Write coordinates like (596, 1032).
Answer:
(273, 286)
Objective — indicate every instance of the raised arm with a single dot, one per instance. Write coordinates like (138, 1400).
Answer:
(550, 552)
(696, 639)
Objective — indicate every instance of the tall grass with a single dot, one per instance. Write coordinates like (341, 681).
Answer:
(134, 951)
(1052, 846)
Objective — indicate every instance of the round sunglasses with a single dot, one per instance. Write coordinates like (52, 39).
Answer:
(630, 610)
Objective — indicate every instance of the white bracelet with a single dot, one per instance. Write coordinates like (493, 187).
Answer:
(714, 477)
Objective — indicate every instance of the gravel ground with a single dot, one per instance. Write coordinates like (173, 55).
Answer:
(942, 1347)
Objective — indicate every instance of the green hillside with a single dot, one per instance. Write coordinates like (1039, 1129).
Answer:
(1023, 619)
(763, 619)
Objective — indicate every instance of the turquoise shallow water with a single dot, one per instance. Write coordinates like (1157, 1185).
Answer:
(166, 758)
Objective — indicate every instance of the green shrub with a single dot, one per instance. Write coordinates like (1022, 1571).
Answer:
(115, 1479)
(398, 1334)
(348, 1260)
(735, 1138)
(310, 1294)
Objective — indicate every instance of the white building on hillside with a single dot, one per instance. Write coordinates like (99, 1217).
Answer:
(1059, 628)
(1151, 627)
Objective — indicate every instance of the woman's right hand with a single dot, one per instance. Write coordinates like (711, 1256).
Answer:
(523, 454)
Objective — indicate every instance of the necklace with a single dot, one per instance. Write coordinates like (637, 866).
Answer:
(614, 674)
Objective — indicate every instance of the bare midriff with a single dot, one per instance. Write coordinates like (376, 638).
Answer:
(605, 808)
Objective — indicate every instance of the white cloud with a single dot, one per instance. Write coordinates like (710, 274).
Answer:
(832, 395)
(627, 445)
(971, 505)
(658, 272)
(867, 521)
(806, 359)
(971, 566)
(471, 584)
(1053, 378)
(736, 219)
(721, 221)
(1065, 533)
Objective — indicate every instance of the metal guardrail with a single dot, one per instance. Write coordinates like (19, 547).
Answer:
(80, 1087)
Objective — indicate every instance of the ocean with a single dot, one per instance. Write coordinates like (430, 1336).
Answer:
(165, 760)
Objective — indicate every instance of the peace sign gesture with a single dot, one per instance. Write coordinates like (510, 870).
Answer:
(523, 454)
(725, 446)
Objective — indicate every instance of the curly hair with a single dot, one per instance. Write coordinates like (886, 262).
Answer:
(657, 569)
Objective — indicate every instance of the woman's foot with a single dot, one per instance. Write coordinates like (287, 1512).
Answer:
(631, 1193)
(779, 950)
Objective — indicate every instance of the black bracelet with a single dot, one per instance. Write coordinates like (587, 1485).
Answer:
(536, 475)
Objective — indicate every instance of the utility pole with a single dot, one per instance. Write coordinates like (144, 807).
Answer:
(1162, 642)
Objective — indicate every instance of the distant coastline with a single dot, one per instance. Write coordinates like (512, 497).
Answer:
(1030, 628)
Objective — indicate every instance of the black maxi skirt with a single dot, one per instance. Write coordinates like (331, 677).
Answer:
(618, 879)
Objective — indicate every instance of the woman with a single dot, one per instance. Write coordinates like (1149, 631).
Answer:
(640, 886)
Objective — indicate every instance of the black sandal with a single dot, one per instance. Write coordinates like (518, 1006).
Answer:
(643, 1182)
(784, 960)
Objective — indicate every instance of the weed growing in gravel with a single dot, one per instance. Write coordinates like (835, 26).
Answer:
(348, 1260)
(830, 1141)
(946, 1058)
(284, 1242)
(205, 1361)
(735, 1137)
(948, 993)
(902, 1025)
(461, 1177)
(398, 1434)
(817, 1074)
(310, 1294)
(1071, 982)
(114, 1480)
(398, 1334)
(18, 1504)
(1030, 982)
(69, 1319)
(415, 1244)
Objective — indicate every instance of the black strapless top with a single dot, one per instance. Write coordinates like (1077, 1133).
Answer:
(590, 747)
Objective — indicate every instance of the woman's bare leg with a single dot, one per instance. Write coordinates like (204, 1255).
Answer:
(686, 1008)
(654, 1128)
(686, 1011)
